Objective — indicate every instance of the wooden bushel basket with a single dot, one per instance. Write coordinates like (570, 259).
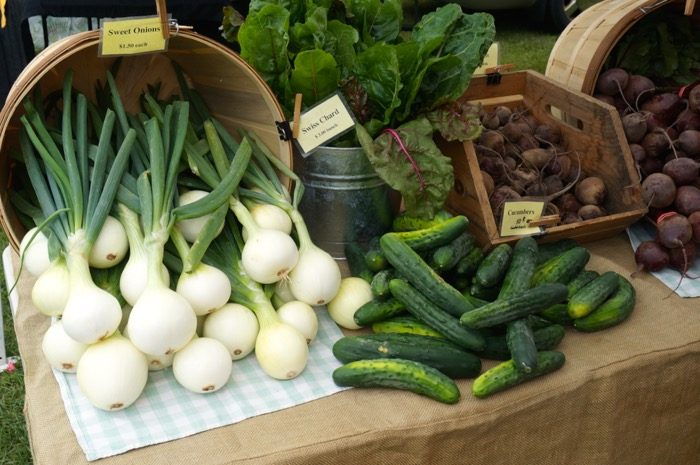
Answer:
(232, 90)
(592, 129)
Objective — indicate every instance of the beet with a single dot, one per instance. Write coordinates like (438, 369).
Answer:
(499, 197)
(591, 191)
(689, 142)
(658, 190)
(694, 99)
(687, 200)
(605, 98)
(651, 256)
(494, 167)
(682, 258)
(503, 113)
(488, 182)
(570, 217)
(490, 121)
(638, 152)
(638, 87)
(588, 212)
(688, 119)
(527, 142)
(635, 126)
(552, 184)
(537, 157)
(611, 81)
(511, 131)
(492, 140)
(672, 155)
(674, 230)
(666, 106)
(694, 219)
(654, 123)
(568, 203)
(651, 165)
(655, 143)
(548, 133)
(682, 170)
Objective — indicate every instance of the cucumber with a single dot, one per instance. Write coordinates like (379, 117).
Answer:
(374, 257)
(405, 222)
(550, 250)
(424, 310)
(468, 265)
(537, 322)
(547, 338)
(611, 312)
(533, 300)
(435, 236)
(562, 268)
(412, 267)
(506, 375)
(522, 266)
(377, 310)
(405, 324)
(558, 313)
(521, 345)
(446, 257)
(593, 294)
(487, 294)
(437, 353)
(581, 279)
(398, 374)
(380, 283)
(355, 256)
(493, 267)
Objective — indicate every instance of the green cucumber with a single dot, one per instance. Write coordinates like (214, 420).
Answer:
(593, 294)
(380, 283)
(611, 312)
(547, 338)
(437, 353)
(537, 322)
(468, 265)
(405, 222)
(398, 374)
(562, 268)
(374, 257)
(446, 257)
(405, 324)
(581, 279)
(412, 267)
(377, 310)
(550, 250)
(486, 294)
(533, 300)
(557, 313)
(435, 236)
(493, 267)
(522, 266)
(505, 375)
(355, 256)
(426, 311)
(521, 345)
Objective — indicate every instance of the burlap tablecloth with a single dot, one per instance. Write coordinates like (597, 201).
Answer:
(627, 395)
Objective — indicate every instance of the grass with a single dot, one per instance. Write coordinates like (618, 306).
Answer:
(522, 45)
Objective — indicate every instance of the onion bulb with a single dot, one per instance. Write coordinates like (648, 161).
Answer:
(35, 255)
(191, 228)
(353, 293)
(281, 350)
(203, 365)
(206, 288)
(111, 245)
(235, 326)
(62, 352)
(269, 216)
(112, 373)
(268, 255)
(316, 277)
(134, 277)
(50, 290)
(300, 316)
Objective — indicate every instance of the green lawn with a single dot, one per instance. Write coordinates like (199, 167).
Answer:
(527, 48)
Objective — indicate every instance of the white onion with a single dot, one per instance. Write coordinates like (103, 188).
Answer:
(35, 256)
(51, 289)
(191, 228)
(271, 217)
(112, 373)
(281, 350)
(316, 277)
(300, 316)
(235, 326)
(206, 288)
(134, 277)
(111, 245)
(268, 255)
(203, 365)
(62, 352)
(353, 293)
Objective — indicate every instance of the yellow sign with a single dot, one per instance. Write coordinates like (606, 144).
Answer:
(517, 216)
(132, 36)
(323, 123)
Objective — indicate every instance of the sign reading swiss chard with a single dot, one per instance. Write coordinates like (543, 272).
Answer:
(401, 87)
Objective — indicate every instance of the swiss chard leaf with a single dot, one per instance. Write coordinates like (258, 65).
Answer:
(376, 20)
(424, 188)
(311, 33)
(315, 75)
(456, 121)
(433, 28)
(340, 42)
(377, 70)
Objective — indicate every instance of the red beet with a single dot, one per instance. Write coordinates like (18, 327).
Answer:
(611, 81)
(687, 200)
(682, 258)
(651, 256)
(694, 219)
(674, 230)
(638, 87)
(666, 106)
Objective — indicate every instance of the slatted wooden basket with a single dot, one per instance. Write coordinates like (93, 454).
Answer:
(232, 90)
(593, 129)
(580, 52)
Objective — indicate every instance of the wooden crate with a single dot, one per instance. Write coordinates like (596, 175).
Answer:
(588, 126)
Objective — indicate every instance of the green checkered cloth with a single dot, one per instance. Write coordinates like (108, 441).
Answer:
(167, 411)
(642, 231)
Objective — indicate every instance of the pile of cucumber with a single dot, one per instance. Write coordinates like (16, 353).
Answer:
(442, 304)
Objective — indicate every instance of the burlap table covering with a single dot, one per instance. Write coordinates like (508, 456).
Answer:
(627, 395)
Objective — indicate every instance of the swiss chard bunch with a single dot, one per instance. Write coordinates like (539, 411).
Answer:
(401, 87)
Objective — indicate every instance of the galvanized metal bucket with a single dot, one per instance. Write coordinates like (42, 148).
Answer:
(344, 199)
